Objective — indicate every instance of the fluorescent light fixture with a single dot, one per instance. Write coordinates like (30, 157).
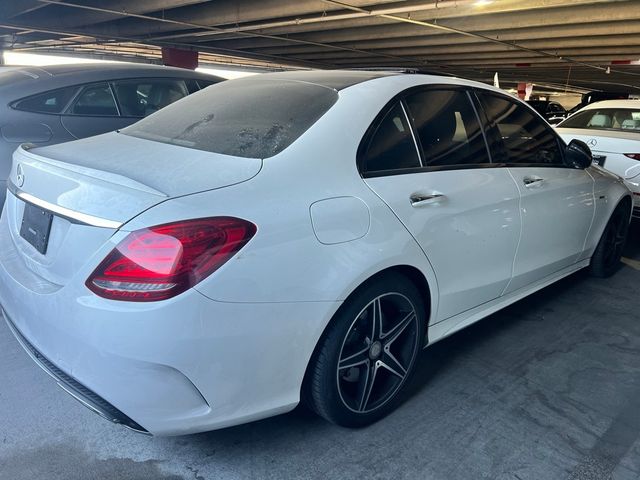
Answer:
(225, 73)
(27, 59)
(19, 58)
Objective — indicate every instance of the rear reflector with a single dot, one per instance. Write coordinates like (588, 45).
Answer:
(160, 262)
(635, 156)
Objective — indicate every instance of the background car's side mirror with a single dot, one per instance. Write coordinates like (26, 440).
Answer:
(578, 154)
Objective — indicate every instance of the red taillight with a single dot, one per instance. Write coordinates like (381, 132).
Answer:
(160, 262)
(635, 156)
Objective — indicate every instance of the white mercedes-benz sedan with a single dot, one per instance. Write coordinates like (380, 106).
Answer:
(611, 129)
(290, 235)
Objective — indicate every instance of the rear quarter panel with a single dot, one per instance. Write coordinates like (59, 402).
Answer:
(285, 261)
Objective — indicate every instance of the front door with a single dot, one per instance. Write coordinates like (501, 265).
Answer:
(557, 204)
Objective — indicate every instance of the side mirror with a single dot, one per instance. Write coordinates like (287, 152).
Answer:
(578, 154)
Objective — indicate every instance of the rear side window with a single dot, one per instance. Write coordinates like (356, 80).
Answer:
(205, 83)
(448, 128)
(391, 147)
(139, 98)
(54, 101)
(253, 117)
(192, 85)
(517, 135)
(605, 118)
(95, 100)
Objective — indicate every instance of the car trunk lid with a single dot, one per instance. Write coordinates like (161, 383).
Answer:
(92, 187)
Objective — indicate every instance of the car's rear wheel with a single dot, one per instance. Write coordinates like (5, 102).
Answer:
(368, 354)
(606, 258)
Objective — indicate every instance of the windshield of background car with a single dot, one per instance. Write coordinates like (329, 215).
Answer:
(625, 119)
(538, 105)
(251, 117)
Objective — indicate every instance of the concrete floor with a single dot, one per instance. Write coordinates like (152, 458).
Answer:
(546, 389)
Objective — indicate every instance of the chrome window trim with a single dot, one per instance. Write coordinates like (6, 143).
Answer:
(413, 134)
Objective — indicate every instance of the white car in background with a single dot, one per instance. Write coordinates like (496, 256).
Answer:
(290, 235)
(611, 129)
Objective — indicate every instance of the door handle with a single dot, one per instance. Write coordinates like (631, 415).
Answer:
(532, 181)
(420, 199)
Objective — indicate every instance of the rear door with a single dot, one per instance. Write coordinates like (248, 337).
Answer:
(557, 204)
(426, 157)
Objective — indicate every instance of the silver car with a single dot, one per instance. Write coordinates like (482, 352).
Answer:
(54, 104)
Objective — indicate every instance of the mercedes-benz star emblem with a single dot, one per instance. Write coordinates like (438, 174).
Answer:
(592, 142)
(19, 176)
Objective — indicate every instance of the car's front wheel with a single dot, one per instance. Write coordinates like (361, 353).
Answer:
(606, 258)
(368, 354)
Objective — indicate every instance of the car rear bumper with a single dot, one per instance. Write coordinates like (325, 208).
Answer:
(178, 366)
(70, 385)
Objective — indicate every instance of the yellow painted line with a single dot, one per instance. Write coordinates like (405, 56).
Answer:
(632, 263)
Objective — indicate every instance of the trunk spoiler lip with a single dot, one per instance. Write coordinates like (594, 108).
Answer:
(67, 213)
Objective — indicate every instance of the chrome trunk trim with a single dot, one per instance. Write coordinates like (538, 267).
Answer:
(71, 215)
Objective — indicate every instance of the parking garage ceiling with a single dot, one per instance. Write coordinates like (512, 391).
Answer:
(575, 45)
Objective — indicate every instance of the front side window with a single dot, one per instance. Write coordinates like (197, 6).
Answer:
(139, 98)
(448, 128)
(605, 118)
(391, 147)
(49, 102)
(518, 136)
(95, 100)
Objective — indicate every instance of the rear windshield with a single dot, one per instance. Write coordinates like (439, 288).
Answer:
(626, 119)
(251, 117)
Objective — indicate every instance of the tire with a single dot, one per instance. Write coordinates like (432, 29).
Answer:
(361, 367)
(606, 257)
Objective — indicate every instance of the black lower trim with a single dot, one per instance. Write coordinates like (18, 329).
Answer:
(81, 393)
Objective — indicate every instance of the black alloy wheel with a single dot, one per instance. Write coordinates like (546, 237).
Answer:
(606, 258)
(368, 353)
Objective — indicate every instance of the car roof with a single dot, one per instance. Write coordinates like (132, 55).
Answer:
(21, 82)
(613, 104)
(342, 79)
(120, 68)
(334, 79)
